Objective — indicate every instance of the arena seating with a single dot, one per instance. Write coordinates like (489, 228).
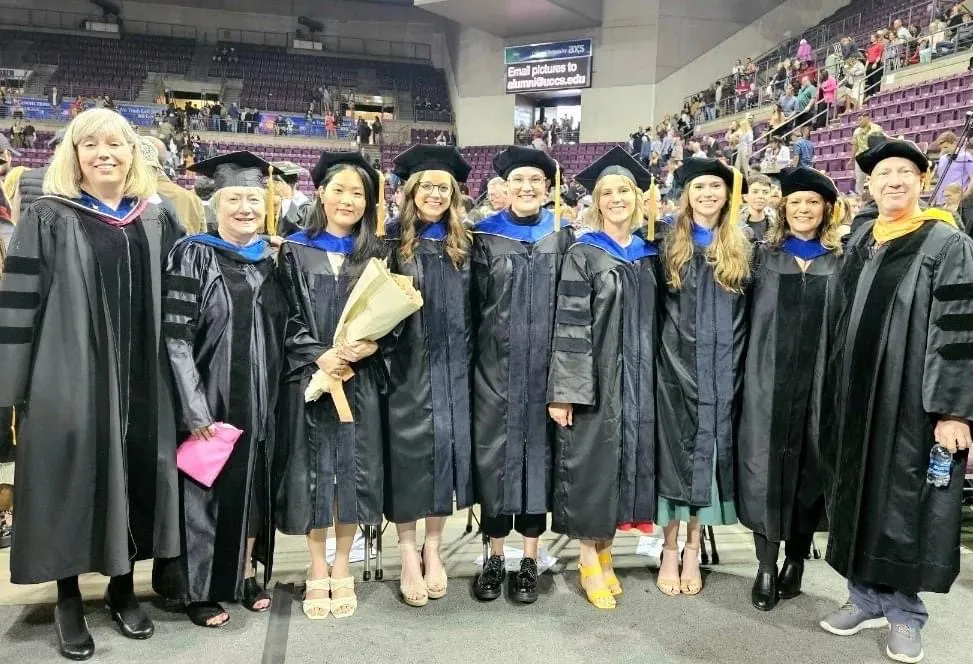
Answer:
(95, 66)
(920, 113)
(276, 80)
(858, 20)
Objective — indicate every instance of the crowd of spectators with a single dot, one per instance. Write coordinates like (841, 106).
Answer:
(849, 75)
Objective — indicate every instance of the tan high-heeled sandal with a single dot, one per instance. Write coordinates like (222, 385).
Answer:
(694, 584)
(320, 607)
(343, 607)
(414, 594)
(436, 584)
(669, 585)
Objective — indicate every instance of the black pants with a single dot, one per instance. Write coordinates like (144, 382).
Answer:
(798, 545)
(6, 435)
(528, 525)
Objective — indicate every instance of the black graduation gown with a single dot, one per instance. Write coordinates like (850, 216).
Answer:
(320, 460)
(901, 358)
(513, 301)
(96, 483)
(224, 325)
(294, 219)
(429, 449)
(604, 363)
(777, 440)
(700, 362)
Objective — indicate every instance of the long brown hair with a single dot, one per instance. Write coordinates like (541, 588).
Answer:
(457, 240)
(828, 232)
(729, 254)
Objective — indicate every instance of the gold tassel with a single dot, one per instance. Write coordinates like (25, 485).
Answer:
(271, 222)
(13, 425)
(736, 200)
(652, 213)
(380, 211)
(557, 196)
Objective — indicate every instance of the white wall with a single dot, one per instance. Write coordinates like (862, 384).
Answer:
(485, 120)
(791, 17)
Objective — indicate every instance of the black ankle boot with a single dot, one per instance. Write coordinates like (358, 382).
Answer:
(764, 595)
(73, 638)
(129, 615)
(789, 580)
(488, 584)
(523, 587)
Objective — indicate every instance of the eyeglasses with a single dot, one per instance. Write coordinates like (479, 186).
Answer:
(428, 187)
(535, 182)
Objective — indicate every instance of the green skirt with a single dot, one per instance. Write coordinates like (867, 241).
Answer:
(719, 512)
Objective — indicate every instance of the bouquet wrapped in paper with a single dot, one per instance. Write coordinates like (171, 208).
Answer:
(377, 304)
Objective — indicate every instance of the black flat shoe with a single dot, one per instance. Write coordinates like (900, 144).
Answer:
(523, 587)
(764, 595)
(488, 584)
(132, 620)
(789, 580)
(73, 638)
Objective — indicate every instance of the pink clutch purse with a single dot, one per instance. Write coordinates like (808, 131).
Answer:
(203, 459)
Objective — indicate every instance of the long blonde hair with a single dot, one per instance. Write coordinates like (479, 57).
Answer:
(63, 178)
(457, 240)
(828, 232)
(729, 254)
(596, 220)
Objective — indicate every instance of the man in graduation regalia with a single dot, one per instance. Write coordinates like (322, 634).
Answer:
(899, 374)
(294, 205)
(516, 262)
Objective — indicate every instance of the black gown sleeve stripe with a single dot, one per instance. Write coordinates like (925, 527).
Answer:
(16, 335)
(174, 307)
(954, 292)
(22, 265)
(572, 345)
(180, 283)
(178, 331)
(955, 322)
(569, 317)
(20, 299)
(960, 351)
(949, 341)
(575, 288)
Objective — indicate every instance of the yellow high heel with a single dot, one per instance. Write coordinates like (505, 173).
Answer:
(614, 585)
(600, 598)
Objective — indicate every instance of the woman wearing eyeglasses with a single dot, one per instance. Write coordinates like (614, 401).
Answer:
(429, 448)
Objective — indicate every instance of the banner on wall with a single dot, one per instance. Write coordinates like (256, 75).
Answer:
(548, 66)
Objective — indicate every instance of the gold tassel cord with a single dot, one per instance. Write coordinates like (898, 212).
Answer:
(271, 220)
(380, 211)
(652, 213)
(736, 199)
(557, 196)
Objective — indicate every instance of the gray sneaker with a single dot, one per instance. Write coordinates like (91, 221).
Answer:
(904, 644)
(849, 620)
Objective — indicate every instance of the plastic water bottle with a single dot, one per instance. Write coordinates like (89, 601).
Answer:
(940, 466)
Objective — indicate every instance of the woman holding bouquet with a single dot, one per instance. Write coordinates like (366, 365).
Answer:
(429, 444)
(332, 472)
(224, 315)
